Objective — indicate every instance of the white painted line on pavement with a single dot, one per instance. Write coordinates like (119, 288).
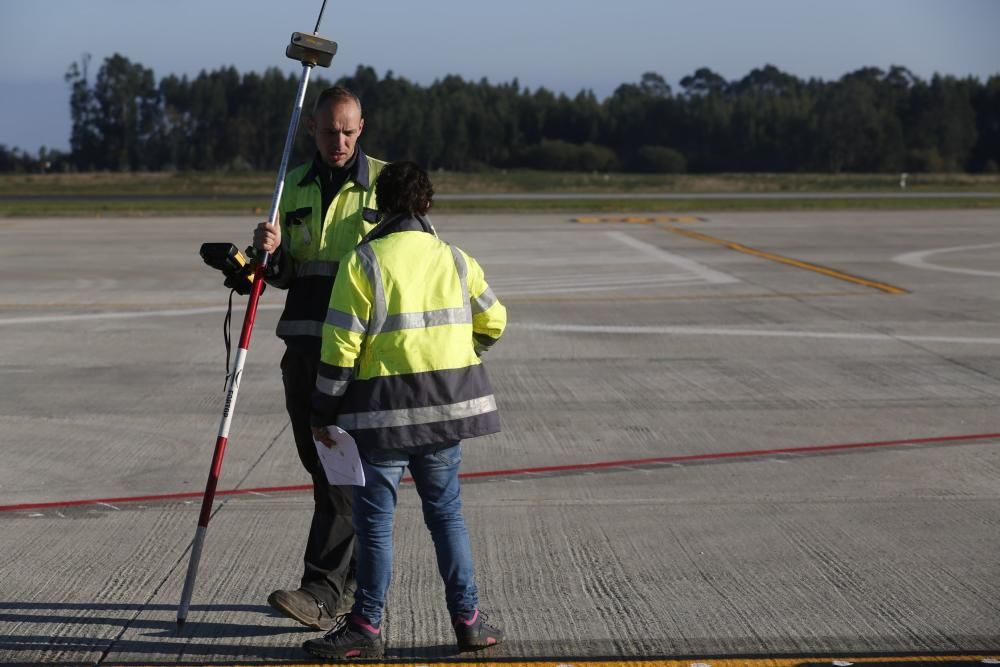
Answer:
(601, 288)
(919, 260)
(587, 280)
(655, 252)
(570, 328)
(705, 331)
(126, 314)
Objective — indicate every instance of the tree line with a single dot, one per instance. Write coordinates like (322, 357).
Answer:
(869, 120)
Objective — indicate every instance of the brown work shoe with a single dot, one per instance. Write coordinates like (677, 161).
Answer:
(301, 606)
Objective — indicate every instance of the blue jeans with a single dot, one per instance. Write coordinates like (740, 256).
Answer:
(435, 473)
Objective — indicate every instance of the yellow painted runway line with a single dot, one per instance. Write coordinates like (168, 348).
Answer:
(833, 273)
(844, 661)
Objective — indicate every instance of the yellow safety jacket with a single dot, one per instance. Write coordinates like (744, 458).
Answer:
(409, 316)
(312, 244)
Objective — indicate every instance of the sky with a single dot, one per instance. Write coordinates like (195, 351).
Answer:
(563, 45)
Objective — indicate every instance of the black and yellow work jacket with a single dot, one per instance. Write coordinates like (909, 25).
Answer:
(312, 243)
(409, 316)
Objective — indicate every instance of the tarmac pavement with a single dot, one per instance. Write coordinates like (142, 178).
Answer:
(708, 452)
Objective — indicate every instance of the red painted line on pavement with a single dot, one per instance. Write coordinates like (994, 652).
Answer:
(161, 496)
(946, 439)
(730, 455)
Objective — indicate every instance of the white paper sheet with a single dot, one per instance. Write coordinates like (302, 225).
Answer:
(342, 463)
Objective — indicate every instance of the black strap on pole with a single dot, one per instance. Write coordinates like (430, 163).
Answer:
(227, 324)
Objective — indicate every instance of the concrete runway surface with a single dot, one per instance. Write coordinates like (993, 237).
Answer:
(747, 436)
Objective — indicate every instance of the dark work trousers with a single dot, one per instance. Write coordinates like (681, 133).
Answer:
(329, 559)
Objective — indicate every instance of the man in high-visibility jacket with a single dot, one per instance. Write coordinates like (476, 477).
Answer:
(400, 371)
(327, 206)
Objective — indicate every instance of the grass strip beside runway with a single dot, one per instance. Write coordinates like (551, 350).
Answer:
(254, 205)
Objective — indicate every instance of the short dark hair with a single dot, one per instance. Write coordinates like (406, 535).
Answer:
(404, 187)
(334, 95)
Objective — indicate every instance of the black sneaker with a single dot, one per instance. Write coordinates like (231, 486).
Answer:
(355, 638)
(475, 633)
(301, 606)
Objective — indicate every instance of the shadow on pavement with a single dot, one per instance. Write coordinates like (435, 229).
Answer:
(199, 643)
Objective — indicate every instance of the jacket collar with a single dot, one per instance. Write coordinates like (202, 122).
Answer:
(399, 222)
(360, 173)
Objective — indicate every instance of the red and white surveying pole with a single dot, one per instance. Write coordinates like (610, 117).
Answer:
(310, 50)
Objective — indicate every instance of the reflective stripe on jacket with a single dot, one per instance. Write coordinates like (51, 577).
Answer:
(313, 244)
(408, 318)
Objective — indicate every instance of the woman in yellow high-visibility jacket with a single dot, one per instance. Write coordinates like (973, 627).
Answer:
(400, 371)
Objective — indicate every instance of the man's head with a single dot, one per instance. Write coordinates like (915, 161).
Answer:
(336, 124)
(403, 187)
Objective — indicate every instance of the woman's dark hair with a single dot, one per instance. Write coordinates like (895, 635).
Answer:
(403, 187)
